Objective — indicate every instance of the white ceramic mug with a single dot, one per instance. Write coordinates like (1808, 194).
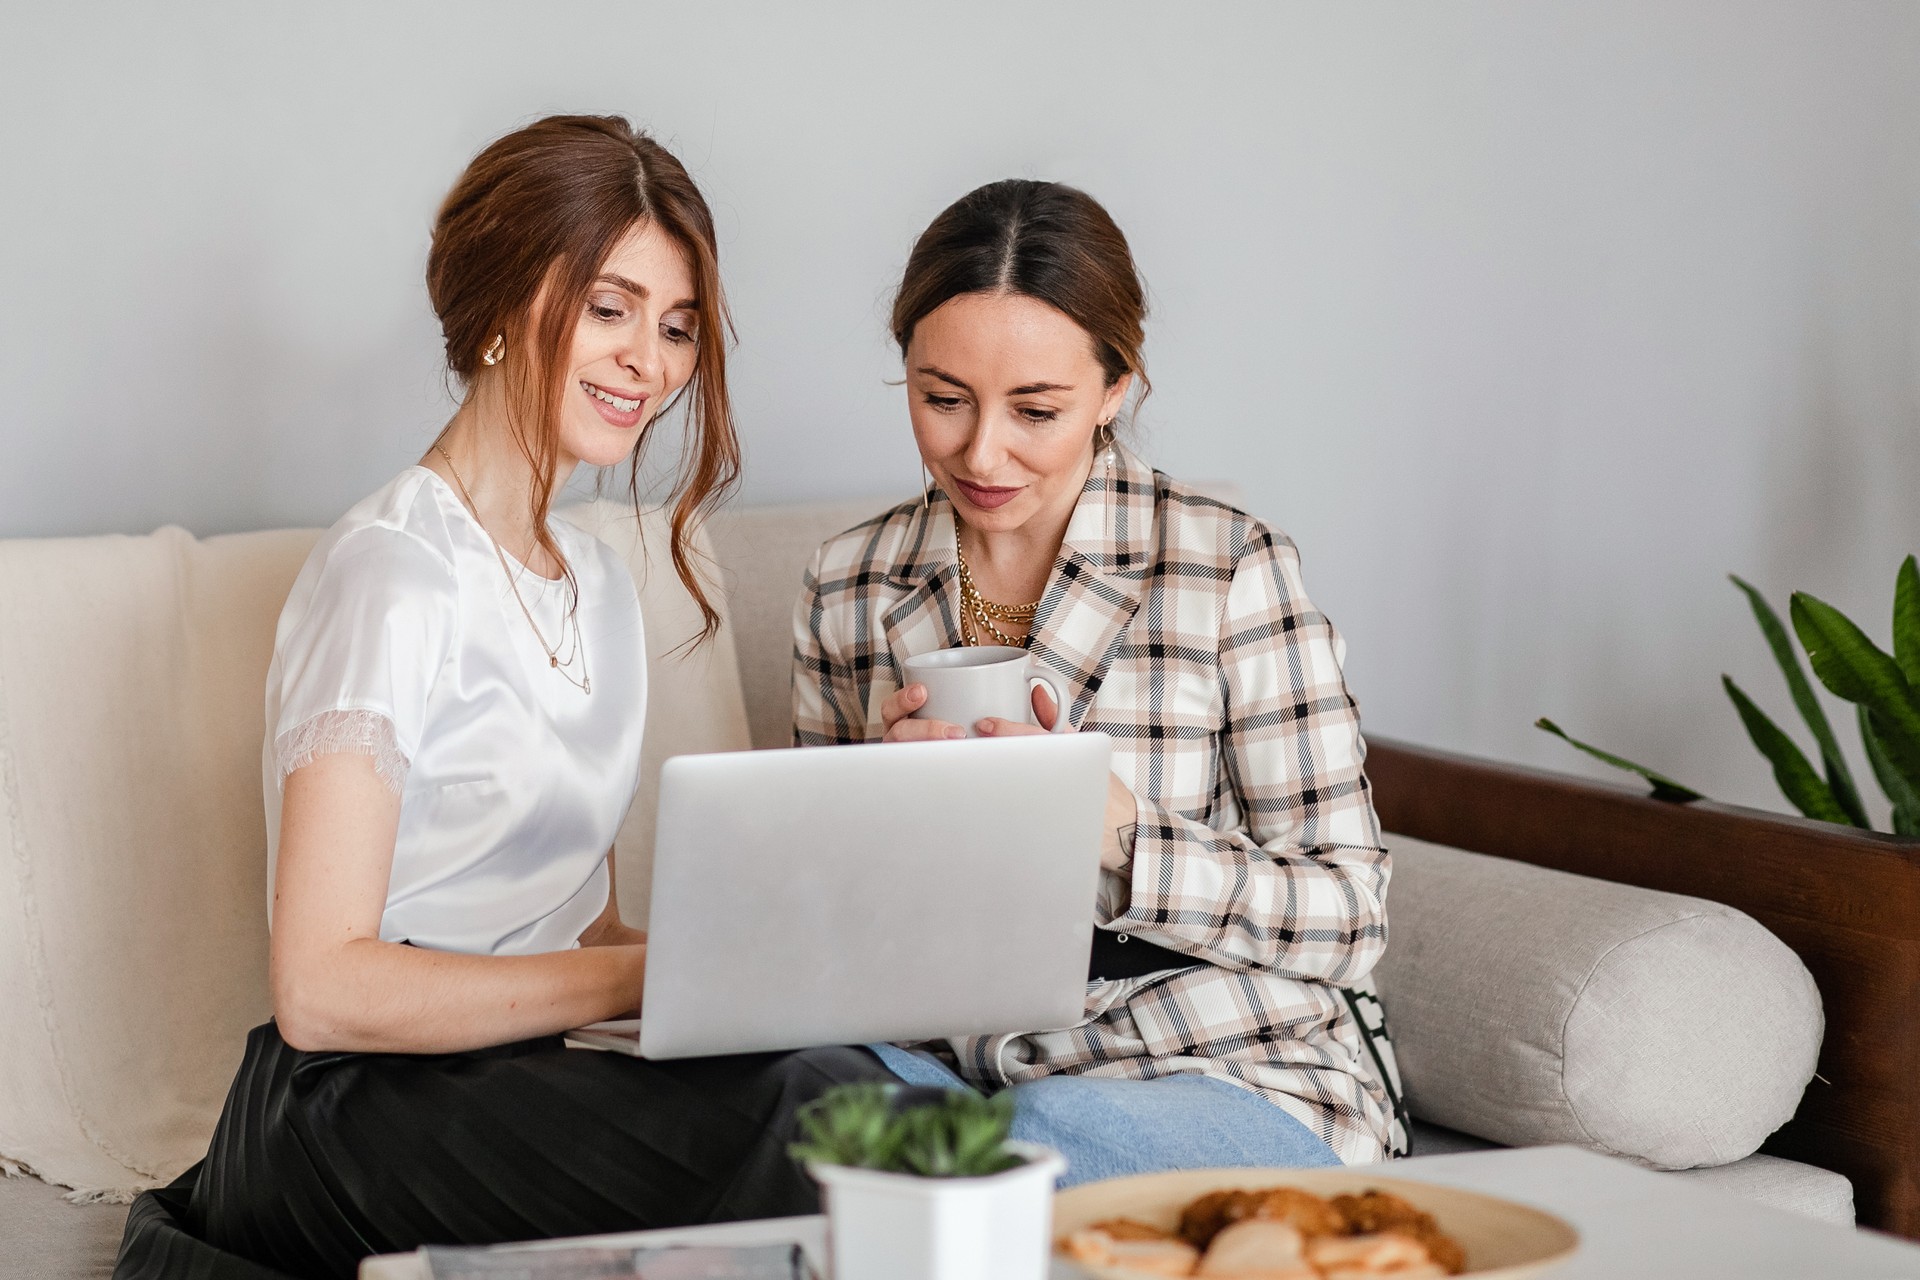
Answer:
(966, 686)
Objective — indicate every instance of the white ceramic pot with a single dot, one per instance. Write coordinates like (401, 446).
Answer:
(895, 1226)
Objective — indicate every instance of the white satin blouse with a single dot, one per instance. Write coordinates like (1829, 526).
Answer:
(402, 640)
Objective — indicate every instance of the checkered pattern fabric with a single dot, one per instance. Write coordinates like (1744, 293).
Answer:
(1181, 629)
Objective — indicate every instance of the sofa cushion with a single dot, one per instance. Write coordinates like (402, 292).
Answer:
(1768, 1180)
(132, 835)
(46, 1238)
(1780, 1184)
(764, 552)
(132, 902)
(1434, 1140)
(1530, 1006)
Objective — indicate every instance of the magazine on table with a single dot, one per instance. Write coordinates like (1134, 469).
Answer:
(601, 1262)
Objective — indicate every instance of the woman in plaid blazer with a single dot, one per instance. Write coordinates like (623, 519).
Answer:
(1242, 843)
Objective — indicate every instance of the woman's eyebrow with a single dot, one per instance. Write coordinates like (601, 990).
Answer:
(1025, 389)
(933, 372)
(641, 291)
(633, 287)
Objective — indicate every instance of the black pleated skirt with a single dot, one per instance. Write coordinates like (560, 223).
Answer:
(323, 1158)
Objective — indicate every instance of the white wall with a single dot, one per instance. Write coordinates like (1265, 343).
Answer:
(1528, 322)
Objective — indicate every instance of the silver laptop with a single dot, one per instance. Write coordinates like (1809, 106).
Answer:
(841, 895)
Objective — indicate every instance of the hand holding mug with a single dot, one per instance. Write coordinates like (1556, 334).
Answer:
(957, 693)
(901, 726)
(1046, 716)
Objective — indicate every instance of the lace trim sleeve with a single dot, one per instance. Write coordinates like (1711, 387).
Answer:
(353, 732)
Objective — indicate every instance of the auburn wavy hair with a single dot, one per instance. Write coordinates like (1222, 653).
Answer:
(529, 224)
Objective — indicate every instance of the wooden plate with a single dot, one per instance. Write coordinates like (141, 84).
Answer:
(1503, 1240)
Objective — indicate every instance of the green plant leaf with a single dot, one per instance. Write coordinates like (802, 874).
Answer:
(1839, 777)
(1855, 667)
(1664, 788)
(1906, 620)
(955, 1134)
(1804, 788)
(961, 1136)
(1902, 754)
(1902, 789)
(850, 1125)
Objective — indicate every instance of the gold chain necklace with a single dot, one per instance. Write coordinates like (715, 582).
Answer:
(578, 649)
(976, 608)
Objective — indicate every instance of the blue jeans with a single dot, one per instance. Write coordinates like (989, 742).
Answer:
(1110, 1128)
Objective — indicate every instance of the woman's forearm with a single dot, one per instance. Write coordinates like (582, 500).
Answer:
(369, 996)
(337, 986)
(1315, 911)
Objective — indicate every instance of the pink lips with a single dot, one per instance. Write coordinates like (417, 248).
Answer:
(624, 419)
(985, 498)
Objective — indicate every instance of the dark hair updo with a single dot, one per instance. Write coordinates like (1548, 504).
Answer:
(1042, 240)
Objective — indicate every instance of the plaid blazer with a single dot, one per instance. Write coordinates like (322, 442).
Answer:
(1181, 629)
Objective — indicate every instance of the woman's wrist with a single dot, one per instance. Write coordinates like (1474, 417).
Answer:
(625, 979)
(1123, 822)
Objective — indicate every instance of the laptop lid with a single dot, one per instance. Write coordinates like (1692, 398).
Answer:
(844, 895)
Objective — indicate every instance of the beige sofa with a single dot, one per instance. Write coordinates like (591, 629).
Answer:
(1527, 1005)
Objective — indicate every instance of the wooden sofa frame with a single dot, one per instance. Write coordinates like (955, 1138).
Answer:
(1847, 901)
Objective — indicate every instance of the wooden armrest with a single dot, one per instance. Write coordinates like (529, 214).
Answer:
(1847, 901)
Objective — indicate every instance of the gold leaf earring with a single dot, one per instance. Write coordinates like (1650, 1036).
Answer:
(926, 487)
(495, 350)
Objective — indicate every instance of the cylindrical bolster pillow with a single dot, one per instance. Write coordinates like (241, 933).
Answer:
(1530, 1006)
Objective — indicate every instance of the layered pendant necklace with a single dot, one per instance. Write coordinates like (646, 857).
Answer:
(577, 649)
(977, 613)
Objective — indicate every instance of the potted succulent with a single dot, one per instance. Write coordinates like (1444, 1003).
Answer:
(926, 1183)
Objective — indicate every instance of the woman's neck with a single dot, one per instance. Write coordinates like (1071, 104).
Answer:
(483, 462)
(1011, 566)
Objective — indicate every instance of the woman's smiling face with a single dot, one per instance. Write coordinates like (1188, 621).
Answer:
(1006, 394)
(633, 346)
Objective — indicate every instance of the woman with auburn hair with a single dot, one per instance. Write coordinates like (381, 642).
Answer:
(454, 713)
(1229, 1020)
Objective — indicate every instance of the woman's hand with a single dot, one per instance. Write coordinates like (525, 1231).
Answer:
(1123, 807)
(1044, 714)
(897, 712)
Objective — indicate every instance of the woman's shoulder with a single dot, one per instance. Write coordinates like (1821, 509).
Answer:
(886, 543)
(1205, 520)
(394, 541)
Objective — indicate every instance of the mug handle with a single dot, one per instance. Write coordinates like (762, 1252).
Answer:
(1047, 678)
